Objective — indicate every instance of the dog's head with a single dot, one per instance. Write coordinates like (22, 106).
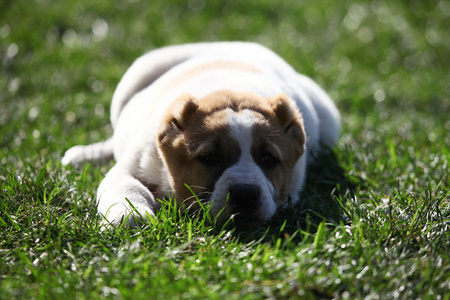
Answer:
(237, 150)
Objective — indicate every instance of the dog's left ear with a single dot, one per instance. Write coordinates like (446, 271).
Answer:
(289, 118)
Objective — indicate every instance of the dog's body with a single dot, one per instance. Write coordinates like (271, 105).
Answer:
(232, 121)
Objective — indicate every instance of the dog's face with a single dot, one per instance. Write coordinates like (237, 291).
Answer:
(237, 150)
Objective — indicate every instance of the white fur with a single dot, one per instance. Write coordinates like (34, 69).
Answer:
(142, 97)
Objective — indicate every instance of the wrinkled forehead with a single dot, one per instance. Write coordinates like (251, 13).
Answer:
(238, 123)
(241, 125)
(231, 127)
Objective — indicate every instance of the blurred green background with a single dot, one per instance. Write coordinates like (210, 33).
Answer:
(385, 63)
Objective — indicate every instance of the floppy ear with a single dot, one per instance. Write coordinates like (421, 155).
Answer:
(179, 116)
(182, 112)
(289, 118)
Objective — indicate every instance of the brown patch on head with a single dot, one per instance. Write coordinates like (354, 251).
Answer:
(197, 147)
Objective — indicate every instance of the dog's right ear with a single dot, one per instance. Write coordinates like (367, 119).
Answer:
(171, 137)
(183, 111)
(177, 119)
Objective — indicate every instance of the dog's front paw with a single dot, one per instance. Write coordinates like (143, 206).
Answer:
(130, 217)
(139, 216)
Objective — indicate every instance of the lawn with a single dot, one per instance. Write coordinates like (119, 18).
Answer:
(380, 224)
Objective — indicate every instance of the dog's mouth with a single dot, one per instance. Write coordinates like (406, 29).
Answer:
(244, 201)
(244, 207)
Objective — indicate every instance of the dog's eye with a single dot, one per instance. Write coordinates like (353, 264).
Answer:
(210, 159)
(269, 161)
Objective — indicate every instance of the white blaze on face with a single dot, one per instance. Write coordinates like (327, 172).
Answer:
(241, 130)
(245, 171)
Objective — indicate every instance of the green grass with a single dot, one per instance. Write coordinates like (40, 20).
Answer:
(380, 227)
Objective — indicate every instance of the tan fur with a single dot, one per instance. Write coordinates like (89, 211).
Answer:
(213, 65)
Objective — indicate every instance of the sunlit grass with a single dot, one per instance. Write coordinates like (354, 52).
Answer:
(377, 223)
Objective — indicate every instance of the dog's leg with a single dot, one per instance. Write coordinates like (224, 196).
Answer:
(102, 151)
(123, 198)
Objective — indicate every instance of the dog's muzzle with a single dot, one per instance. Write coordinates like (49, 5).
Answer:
(245, 200)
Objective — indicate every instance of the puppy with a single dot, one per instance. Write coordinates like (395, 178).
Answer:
(230, 122)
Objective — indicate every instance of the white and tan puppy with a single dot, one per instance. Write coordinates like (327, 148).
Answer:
(231, 120)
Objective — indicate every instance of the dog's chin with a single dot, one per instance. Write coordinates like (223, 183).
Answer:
(240, 221)
(245, 222)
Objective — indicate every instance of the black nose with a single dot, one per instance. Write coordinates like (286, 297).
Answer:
(244, 199)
